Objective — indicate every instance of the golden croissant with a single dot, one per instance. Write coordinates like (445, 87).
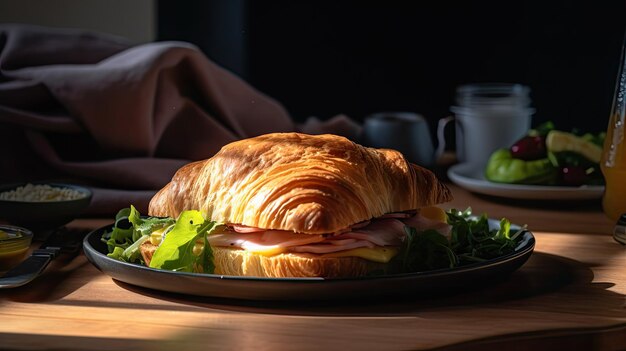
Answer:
(301, 205)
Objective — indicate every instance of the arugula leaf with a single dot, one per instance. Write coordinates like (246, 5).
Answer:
(185, 248)
(503, 231)
(426, 250)
(122, 233)
(129, 231)
(132, 253)
(471, 240)
(145, 226)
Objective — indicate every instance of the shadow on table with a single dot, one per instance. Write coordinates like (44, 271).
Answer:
(592, 205)
(62, 277)
(530, 287)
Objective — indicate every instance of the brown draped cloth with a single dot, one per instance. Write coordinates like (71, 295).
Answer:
(92, 109)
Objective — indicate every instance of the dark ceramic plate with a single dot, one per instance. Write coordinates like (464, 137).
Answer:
(253, 288)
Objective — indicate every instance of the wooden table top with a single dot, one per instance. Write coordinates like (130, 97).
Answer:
(569, 295)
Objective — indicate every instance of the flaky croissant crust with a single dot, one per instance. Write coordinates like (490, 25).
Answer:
(303, 183)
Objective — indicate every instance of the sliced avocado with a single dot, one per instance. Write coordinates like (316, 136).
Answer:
(558, 141)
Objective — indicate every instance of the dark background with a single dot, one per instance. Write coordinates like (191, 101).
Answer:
(321, 58)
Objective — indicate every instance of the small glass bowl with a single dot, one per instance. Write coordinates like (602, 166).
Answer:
(14, 244)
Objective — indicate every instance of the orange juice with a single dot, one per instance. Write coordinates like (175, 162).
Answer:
(613, 165)
(614, 200)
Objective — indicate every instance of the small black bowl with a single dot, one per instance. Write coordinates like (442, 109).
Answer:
(43, 215)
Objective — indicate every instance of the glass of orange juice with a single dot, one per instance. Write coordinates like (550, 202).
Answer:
(613, 163)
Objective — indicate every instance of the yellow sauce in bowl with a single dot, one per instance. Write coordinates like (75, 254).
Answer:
(14, 244)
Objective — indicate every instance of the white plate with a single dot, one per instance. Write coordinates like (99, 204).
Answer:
(473, 179)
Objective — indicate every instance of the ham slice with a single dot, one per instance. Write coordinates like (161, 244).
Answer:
(263, 241)
(421, 223)
(361, 225)
(398, 215)
(240, 228)
(388, 230)
(245, 229)
(340, 241)
(328, 248)
(381, 232)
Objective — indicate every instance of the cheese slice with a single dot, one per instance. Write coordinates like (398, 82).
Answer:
(434, 213)
(375, 254)
(267, 243)
(267, 250)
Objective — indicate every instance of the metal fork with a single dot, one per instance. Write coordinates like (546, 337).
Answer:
(59, 241)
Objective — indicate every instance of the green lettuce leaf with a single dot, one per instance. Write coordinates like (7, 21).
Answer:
(129, 231)
(185, 248)
(117, 253)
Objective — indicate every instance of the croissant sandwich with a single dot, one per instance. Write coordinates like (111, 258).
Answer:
(297, 205)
